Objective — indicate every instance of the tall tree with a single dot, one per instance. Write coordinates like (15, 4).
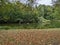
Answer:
(56, 2)
(32, 2)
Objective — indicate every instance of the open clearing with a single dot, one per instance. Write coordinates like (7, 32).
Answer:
(30, 37)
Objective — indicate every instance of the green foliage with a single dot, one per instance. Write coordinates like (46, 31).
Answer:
(34, 17)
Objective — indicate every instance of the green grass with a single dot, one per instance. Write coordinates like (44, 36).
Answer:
(54, 24)
(18, 26)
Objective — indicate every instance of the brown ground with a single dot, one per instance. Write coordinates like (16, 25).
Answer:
(30, 37)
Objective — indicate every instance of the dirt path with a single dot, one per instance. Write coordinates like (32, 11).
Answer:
(30, 37)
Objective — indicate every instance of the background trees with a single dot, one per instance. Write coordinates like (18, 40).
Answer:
(56, 4)
(17, 12)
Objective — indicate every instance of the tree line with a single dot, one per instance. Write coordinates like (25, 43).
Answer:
(17, 12)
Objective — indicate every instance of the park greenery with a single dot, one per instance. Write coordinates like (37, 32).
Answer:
(29, 15)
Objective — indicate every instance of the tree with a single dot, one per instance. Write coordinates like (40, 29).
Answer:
(56, 2)
(56, 9)
(32, 3)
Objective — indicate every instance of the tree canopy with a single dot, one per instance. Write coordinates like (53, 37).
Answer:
(18, 12)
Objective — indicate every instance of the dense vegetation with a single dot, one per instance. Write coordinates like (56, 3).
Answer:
(29, 14)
